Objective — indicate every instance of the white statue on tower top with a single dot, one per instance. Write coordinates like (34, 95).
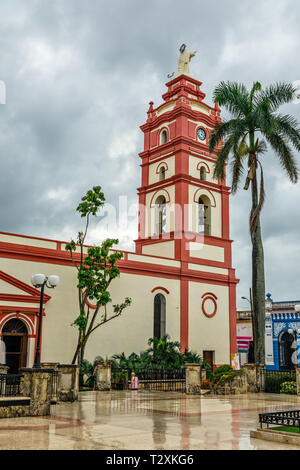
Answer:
(184, 60)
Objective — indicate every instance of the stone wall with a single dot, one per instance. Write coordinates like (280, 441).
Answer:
(67, 382)
(15, 407)
(251, 380)
(193, 379)
(37, 385)
(103, 377)
(236, 385)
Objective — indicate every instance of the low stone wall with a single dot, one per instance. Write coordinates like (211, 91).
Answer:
(39, 388)
(15, 407)
(158, 385)
(276, 436)
(251, 380)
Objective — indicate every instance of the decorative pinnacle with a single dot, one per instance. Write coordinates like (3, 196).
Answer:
(150, 110)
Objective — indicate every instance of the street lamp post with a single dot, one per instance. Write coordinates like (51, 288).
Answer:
(40, 281)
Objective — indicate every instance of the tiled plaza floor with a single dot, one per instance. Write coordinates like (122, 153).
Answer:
(147, 420)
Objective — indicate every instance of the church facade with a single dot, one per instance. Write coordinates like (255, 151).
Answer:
(180, 277)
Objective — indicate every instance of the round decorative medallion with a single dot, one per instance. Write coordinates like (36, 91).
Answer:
(209, 305)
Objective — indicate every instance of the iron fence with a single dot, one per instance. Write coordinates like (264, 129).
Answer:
(281, 418)
(164, 380)
(54, 382)
(10, 385)
(272, 379)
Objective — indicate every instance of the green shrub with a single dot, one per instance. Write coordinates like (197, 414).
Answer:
(222, 370)
(226, 377)
(274, 381)
(219, 372)
(288, 387)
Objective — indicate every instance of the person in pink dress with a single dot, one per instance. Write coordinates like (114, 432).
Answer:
(134, 385)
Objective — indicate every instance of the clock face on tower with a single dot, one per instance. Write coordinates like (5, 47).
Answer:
(201, 134)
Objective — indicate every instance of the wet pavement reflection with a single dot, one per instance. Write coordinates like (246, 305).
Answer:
(147, 420)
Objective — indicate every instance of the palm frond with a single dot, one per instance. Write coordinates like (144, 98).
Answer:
(256, 87)
(260, 147)
(286, 157)
(276, 95)
(222, 157)
(288, 127)
(264, 120)
(237, 171)
(234, 97)
(223, 129)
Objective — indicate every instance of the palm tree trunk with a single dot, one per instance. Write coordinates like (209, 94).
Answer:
(258, 285)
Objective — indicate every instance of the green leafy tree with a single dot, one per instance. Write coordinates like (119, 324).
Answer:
(95, 272)
(255, 123)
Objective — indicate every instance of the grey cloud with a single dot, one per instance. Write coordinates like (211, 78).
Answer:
(79, 77)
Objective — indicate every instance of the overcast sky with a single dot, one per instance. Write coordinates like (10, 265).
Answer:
(79, 77)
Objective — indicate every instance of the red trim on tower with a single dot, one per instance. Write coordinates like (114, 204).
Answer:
(156, 193)
(201, 191)
(200, 164)
(162, 164)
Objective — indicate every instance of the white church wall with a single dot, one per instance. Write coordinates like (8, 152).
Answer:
(205, 334)
(170, 170)
(128, 333)
(164, 249)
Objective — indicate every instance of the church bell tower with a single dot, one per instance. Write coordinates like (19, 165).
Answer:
(184, 211)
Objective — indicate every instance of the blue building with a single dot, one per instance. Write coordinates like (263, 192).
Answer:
(282, 334)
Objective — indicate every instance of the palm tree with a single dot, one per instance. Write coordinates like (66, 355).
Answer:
(255, 123)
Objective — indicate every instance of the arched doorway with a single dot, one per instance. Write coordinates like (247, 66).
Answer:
(15, 337)
(286, 350)
(159, 316)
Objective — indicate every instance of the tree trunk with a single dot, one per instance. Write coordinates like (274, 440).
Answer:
(258, 286)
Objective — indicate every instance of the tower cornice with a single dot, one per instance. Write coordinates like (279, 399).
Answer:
(181, 177)
(181, 110)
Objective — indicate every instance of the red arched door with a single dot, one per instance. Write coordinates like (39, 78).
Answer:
(15, 337)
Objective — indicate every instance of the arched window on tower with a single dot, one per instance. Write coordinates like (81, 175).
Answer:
(163, 137)
(162, 173)
(203, 173)
(204, 224)
(159, 328)
(160, 214)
